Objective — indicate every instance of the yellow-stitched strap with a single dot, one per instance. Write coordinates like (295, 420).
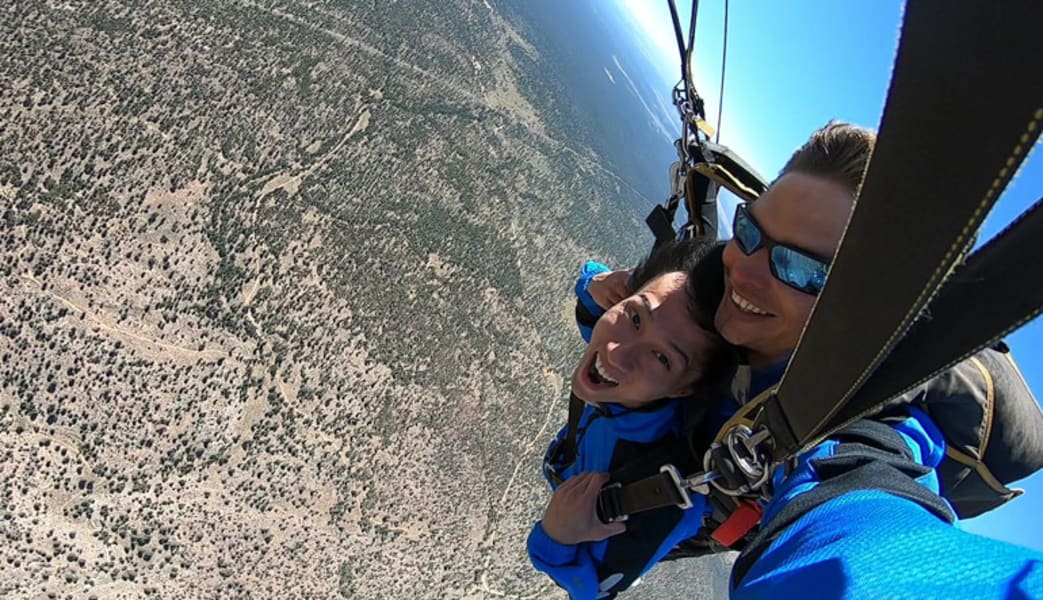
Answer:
(979, 467)
(927, 189)
(724, 177)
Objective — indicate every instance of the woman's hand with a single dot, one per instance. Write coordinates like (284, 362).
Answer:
(608, 289)
(572, 517)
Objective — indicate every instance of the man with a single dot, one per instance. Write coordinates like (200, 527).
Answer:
(846, 520)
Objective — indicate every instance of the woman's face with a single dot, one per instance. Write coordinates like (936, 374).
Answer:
(759, 312)
(644, 348)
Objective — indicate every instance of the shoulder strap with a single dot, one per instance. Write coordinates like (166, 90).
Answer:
(562, 455)
(880, 284)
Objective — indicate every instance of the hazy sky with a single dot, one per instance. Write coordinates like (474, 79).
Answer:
(792, 67)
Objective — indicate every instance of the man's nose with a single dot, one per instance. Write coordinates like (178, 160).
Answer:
(747, 271)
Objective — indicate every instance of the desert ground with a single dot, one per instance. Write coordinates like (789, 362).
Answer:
(285, 299)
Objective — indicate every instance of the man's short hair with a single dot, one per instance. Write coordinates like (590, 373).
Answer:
(839, 152)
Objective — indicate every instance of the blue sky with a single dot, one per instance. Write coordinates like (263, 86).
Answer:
(792, 67)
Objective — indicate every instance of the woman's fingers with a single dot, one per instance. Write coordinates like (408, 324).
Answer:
(571, 516)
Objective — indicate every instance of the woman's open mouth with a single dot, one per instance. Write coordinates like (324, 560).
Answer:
(596, 374)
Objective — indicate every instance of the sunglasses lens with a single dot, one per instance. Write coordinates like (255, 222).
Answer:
(801, 272)
(746, 233)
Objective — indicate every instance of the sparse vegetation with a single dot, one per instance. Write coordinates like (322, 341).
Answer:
(284, 297)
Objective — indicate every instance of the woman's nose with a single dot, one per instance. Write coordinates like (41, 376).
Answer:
(617, 355)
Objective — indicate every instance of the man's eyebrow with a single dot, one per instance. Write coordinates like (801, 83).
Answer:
(651, 315)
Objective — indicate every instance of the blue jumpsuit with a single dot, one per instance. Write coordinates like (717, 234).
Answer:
(871, 543)
(609, 438)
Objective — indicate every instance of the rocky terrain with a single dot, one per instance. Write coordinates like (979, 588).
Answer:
(285, 304)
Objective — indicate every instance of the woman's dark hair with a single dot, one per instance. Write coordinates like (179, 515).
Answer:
(701, 261)
(669, 257)
(705, 289)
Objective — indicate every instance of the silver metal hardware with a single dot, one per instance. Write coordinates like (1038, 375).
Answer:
(748, 457)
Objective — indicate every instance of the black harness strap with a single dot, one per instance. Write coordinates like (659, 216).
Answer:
(661, 222)
(722, 176)
(740, 177)
(617, 501)
(564, 454)
(928, 186)
(930, 191)
(998, 289)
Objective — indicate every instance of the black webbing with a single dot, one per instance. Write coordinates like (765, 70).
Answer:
(575, 414)
(737, 167)
(680, 40)
(701, 199)
(655, 491)
(998, 289)
(661, 222)
(929, 185)
(561, 456)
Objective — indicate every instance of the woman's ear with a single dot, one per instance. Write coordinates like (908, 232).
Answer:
(687, 387)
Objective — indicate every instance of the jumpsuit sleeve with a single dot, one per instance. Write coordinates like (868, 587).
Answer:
(859, 517)
(606, 568)
(570, 566)
(587, 311)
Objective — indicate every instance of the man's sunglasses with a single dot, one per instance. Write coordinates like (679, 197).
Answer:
(796, 268)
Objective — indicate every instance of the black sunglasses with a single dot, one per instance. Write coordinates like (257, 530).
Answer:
(796, 268)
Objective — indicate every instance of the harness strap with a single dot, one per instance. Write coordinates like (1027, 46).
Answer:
(1000, 286)
(561, 456)
(575, 414)
(741, 177)
(722, 176)
(617, 501)
(879, 284)
(661, 222)
(700, 193)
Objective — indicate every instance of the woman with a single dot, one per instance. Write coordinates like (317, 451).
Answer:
(652, 363)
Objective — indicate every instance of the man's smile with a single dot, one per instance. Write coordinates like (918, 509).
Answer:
(746, 306)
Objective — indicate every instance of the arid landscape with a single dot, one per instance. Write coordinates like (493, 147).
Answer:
(285, 298)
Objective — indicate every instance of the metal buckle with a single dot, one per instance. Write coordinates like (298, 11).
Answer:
(742, 445)
(601, 499)
(698, 483)
(682, 489)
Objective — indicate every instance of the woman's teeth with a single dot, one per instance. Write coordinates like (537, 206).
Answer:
(601, 371)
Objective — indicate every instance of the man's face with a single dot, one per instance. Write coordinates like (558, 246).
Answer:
(759, 312)
(644, 348)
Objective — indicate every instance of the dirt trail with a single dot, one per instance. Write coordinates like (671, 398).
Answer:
(174, 351)
(291, 183)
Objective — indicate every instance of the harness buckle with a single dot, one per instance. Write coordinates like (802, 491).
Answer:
(682, 489)
(608, 510)
(741, 459)
(698, 483)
